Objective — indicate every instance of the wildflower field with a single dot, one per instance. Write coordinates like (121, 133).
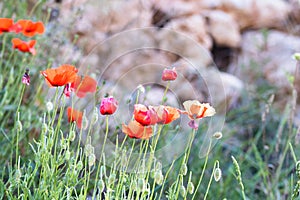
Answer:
(68, 133)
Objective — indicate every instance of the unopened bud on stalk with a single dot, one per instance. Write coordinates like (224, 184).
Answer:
(183, 169)
(79, 165)
(218, 135)
(296, 56)
(72, 135)
(141, 184)
(102, 172)
(158, 177)
(49, 106)
(85, 122)
(92, 159)
(141, 88)
(182, 191)
(101, 185)
(88, 150)
(134, 185)
(190, 187)
(217, 174)
(19, 126)
(67, 155)
(18, 175)
(95, 116)
(44, 128)
(111, 179)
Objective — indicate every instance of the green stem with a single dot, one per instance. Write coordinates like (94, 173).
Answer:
(210, 180)
(99, 164)
(204, 167)
(165, 93)
(164, 182)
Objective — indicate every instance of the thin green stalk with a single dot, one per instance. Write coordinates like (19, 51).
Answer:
(165, 93)
(210, 180)
(164, 182)
(204, 167)
(99, 163)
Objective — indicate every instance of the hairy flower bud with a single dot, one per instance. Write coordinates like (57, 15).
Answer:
(92, 159)
(217, 174)
(182, 191)
(183, 169)
(190, 187)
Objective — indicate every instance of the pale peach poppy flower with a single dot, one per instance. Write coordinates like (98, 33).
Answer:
(195, 110)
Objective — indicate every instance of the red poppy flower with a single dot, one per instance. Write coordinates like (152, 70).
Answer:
(108, 106)
(60, 76)
(74, 116)
(81, 86)
(136, 130)
(5, 24)
(30, 28)
(145, 116)
(166, 114)
(196, 110)
(24, 46)
(169, 74)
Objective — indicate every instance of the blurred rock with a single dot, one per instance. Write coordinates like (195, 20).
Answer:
(179, 8)
(257, 13)
(223, 89)
(272, 51)
(218, 22)
(194, 27)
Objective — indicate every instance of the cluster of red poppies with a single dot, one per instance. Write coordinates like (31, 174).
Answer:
(66, 76)
(145, 117)
(27, 27)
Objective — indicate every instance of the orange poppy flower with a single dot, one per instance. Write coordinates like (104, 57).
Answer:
(81, 86)
(60, 76)
(166, 114)
(75, 115)
(145, 116)
(196, 110)
(24, 46)
(136, 130)
(30, 28)
(5, 24)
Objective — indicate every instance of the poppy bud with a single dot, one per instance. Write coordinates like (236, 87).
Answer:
(169, 74)
(26, 77)
(108, 106)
